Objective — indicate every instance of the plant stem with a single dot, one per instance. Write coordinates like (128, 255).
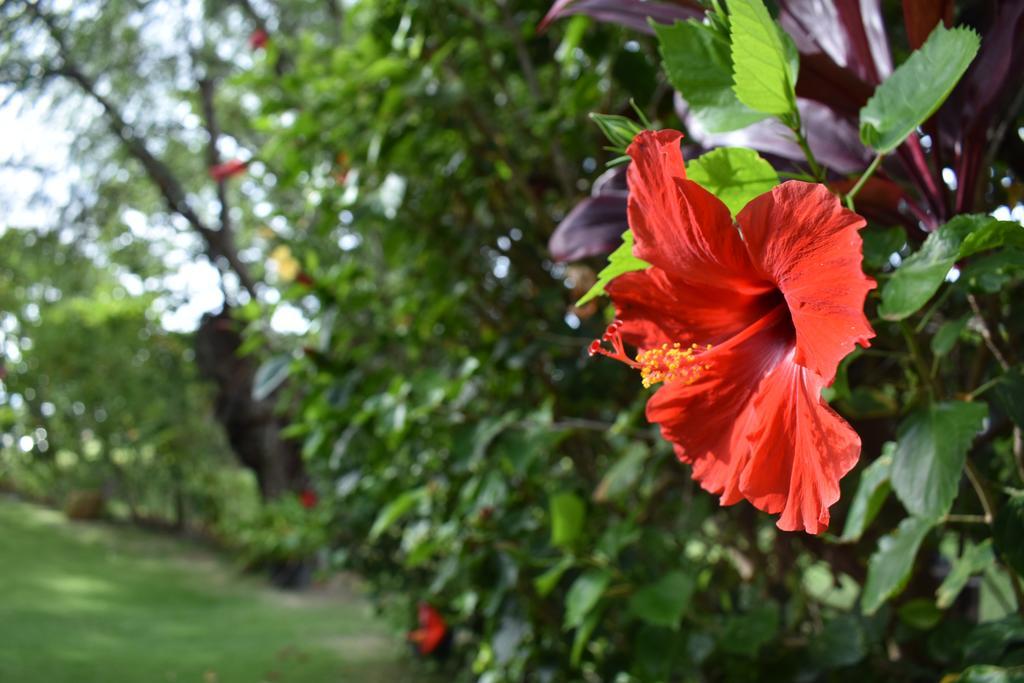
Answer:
(868, 172)
(932, 309)
(983, 388)
(986, 333)
(817, 170)
(979, 488)
(966, 519)
(922, 367)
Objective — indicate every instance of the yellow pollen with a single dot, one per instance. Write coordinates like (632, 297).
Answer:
(672, 363)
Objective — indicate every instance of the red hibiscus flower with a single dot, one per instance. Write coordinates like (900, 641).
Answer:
(258, 39)
(308, 499)
(228, 169)
(429, 636)
(744, 325)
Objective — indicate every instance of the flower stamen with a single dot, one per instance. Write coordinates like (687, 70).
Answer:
(670, 362)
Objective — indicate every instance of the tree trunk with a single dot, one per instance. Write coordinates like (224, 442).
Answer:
(253, 429)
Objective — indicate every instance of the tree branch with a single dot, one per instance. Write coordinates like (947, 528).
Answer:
(219, 244)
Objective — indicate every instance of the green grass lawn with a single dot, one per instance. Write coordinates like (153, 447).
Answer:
(94, 603)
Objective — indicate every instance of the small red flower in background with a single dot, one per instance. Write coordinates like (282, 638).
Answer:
(258, 39)
(744, 327)
(308, 498)
(228, 169)
(431, 633)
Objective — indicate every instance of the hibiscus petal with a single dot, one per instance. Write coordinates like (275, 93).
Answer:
(800, 450)
(709, 419)
(678, 225)
(801, 238)
(655, 307)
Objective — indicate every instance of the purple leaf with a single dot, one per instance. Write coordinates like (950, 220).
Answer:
(596, 224)
(629, 13)
(851, 33)
(833, 138)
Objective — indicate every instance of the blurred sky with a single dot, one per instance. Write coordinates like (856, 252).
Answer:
(36, 176)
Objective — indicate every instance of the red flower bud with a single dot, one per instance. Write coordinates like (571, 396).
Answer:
(258, 39)
(432, 629)
(228, 169)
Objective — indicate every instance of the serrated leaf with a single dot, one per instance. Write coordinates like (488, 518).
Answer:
(620, 261)
(733, 174)
(270, 375)
(872, 491)
(975, 559)
(890, 565)
(567, 511)
(584, 595)
(663, 602)
(930, 453)
(912, 93)
(698, 64)
(922, 273)
(764, 70)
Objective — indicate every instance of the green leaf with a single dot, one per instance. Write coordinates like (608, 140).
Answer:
(922, 273)
(945, 339)
(619, 130)
(584, 595)
(930, 453)
(872, 491)
(663, 602)
(619, 262)
(988, 641)
(395, 510)
(270, 375)
(745, 634)
(992, 234)
(546, 582)
(841, 643)
(622, 476)
(764, 70)
(920, 613)
(582, 637)
(1008, 532)
(912, 93)
(975, 559)
(567, 512)
(1009, 395)
(880, 244)
(986, 673)
(697, 60)
(890, 565)
(733, 174)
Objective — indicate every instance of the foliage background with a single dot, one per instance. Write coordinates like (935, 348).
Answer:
(410, 161)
